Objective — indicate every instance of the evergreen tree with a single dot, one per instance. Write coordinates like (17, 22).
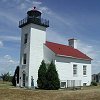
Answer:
(14, 77)
(53, 82)
(42, 75)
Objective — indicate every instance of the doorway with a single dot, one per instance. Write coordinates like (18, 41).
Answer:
(32, 82)
(24, 79)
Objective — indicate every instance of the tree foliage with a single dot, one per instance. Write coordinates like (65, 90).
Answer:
(16, 75)
(6, 77)
(94, 83)
(48, 78)
(53, 82)
(42, 75)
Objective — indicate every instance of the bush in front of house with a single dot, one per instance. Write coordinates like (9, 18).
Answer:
(48, 77)
(42, 75)
(53, 82)
(94, 83)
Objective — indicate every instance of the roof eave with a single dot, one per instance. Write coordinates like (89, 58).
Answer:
(74, 57)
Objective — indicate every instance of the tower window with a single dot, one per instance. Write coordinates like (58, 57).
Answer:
(25, 38)
(84, 70)
(74, 69)
(24, 59)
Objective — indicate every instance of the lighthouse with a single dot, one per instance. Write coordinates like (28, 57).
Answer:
(33, 37)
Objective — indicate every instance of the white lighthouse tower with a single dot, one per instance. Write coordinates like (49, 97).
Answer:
(33, 36)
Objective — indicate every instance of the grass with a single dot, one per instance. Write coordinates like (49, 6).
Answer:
(5, 85)
(8, 92)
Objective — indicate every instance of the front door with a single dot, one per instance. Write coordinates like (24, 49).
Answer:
(32, 82)
(24, 80)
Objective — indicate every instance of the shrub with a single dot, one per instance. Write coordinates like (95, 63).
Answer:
(42, 75)
(6, 77)
(48, 78)
(94, 83)
(52, 79)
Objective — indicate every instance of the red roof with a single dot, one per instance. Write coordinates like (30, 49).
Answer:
(64, 50)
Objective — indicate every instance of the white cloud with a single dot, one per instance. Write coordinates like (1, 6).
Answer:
(51, 35)
(1, 44)
(9, 17)
(60, 18)
(7, 64)
(9, 38)
(88, 49)
(36, 3)
(44, 9)
(22, 6)
(39, 6)
(8, 59)
(95, 66)
(25, 4)
(91, 51)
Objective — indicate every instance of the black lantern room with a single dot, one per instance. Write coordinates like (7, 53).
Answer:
(34, 13)
(34, 16)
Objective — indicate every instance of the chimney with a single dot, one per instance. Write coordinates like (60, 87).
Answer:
(73, 43)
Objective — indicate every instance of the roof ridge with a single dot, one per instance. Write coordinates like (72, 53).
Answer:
(63, 45)
(58, 43)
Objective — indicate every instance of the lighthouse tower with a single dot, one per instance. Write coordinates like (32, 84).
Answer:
(33, 37)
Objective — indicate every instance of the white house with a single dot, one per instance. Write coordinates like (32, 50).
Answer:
(73, 66)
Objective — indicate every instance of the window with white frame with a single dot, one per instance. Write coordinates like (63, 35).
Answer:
(84, 69)
(63, 84)
(74, 69)
(24, 59)
(25, 38)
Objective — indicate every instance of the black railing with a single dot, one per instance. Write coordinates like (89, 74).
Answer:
(38, 21)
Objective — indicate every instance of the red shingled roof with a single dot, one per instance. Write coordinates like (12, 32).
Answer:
(64, 50)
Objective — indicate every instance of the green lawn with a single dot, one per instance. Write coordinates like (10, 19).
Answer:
(5, 85)
(8, 92)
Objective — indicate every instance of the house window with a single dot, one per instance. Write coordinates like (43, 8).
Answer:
(84, 70)
(24, 59)
(63, 84)
(84, 84)
(25, 38)
(74, 69)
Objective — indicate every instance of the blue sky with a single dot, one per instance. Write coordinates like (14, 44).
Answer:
(78, 19)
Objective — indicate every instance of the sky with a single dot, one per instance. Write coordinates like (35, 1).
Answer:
(79, 19)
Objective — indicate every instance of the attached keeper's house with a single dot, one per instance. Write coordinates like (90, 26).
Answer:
(73, 66)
